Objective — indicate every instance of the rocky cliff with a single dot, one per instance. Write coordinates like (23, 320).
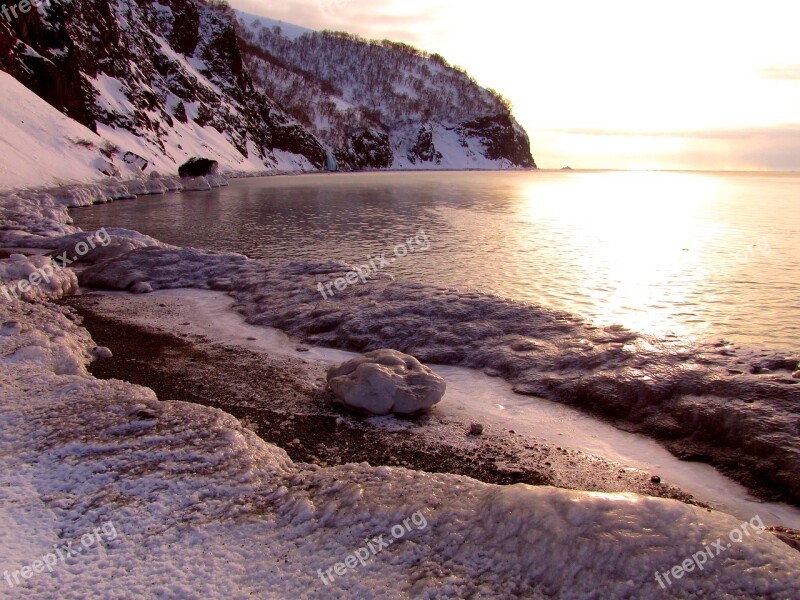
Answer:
(383, 104)
(160, 82)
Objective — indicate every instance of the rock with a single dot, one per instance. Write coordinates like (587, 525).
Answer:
(655, 479)
(106, 167)
(145, 415)
(136, 160)
(102, 352)
(475, 429)
(141, 287)
(424, 149)
(386, 381)
(796, 374)
(198, 167)
(367, 149)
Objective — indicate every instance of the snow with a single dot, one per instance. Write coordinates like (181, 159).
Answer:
(204, 508)
(35, 278)
(386, 381)
(458, 152)
(41, 146)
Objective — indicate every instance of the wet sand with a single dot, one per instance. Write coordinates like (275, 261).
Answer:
(285, 401)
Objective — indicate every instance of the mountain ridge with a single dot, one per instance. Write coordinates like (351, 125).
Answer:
(162, 81)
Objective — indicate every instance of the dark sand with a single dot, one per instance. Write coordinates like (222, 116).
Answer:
(285, 401)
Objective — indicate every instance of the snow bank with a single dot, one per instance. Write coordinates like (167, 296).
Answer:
(110, 242)
(711, 393)
(204, 508)
(34, 278)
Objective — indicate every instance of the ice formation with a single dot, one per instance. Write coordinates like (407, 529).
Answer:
(386, 381)
(204, 508)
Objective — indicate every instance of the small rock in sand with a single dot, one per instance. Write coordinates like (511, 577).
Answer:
(386, 381)
(655, 479)
(141, 287)
(475, 429)
(102, 352)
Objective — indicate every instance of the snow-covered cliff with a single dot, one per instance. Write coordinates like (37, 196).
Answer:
(382, 104)
(151, 84)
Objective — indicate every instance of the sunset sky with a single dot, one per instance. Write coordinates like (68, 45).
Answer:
(617, 84)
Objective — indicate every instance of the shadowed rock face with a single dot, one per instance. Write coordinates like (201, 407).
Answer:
(368, 149)
(198, 167)
(424, 150)
(57, 55)
(502, 139)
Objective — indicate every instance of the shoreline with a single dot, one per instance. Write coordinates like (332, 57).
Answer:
(203, 503)
(286, 403)
(614, 404)
(535, 442)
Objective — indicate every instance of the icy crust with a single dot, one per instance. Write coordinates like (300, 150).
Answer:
(30, 219)
(746, 415)
(204, 508)
(54, 283)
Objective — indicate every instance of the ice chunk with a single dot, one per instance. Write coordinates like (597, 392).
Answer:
(386, 381)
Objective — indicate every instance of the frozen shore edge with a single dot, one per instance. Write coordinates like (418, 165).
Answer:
(86, 460)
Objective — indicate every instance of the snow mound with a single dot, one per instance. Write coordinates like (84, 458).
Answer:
(110, 242)
(203, 508)
(386, 381)
(34, 278)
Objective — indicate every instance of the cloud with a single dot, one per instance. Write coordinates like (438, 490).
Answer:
(788, 130)
(772, 148)
(780, 72)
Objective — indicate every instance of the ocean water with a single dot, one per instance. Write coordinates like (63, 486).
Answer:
(706, 255)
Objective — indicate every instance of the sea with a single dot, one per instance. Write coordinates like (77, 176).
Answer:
(709, 255)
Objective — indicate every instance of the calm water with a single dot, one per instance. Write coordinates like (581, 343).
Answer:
(707, 255)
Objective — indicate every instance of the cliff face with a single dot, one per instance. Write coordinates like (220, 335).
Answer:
(392, 98)
(163, 81)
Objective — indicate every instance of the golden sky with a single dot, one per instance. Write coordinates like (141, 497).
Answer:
(619, 84)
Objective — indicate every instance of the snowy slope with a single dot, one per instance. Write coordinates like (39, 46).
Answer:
(40, 145)
(379, 104)
(158, 82)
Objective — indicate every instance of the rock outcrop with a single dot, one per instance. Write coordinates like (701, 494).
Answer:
(160, 81)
